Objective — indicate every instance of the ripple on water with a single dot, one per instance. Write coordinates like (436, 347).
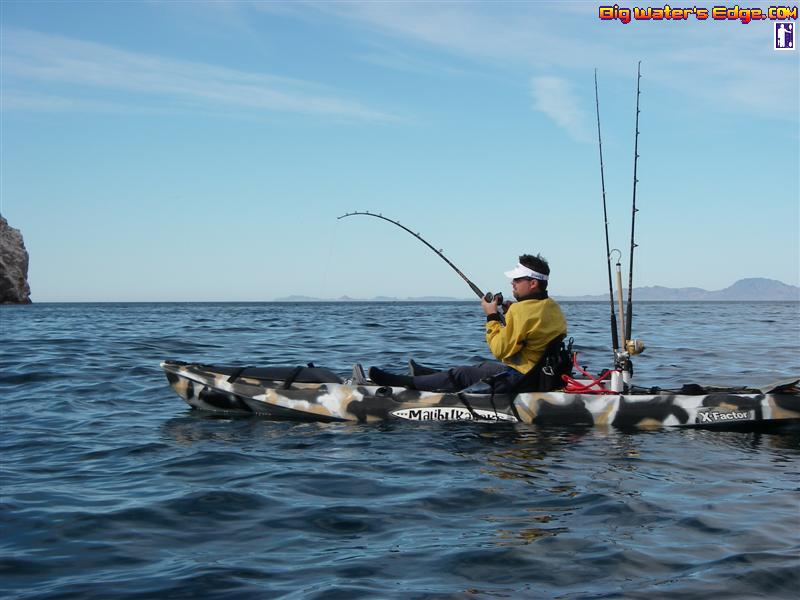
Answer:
(113, 488)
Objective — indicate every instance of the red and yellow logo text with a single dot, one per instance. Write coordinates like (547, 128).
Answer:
(717, 13)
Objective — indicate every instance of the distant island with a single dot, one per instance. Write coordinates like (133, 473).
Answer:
(752, 289)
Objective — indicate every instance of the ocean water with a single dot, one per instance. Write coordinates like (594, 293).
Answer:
(111, 487)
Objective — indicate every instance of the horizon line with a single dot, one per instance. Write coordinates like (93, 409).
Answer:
(572, 300)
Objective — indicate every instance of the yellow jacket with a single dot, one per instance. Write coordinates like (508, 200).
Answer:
(530, 326)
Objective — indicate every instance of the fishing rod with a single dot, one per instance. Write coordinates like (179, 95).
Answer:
(488, 296)
(614, 338)
(634, 210)
(621, 305)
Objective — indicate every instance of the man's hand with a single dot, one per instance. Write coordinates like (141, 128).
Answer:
(490, 308)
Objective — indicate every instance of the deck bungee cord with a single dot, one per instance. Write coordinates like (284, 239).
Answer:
(594, 385)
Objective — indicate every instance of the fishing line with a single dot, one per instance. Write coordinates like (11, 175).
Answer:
(488, 296)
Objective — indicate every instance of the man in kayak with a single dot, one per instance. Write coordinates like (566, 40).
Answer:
(531, 323)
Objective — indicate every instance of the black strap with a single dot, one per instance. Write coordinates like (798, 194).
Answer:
(494, 408)
(513, 407)
(292, 376)
(236, 374)
(467, 405)
(492, 381)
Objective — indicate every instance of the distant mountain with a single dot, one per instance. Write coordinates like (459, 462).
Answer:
(752, 289)
(756, 288)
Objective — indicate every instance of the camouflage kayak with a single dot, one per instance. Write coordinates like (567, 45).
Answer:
(317, 394)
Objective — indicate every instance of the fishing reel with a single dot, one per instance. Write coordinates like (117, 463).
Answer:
(633, 347)
(622, 356)
(490, 297)
(622, 374)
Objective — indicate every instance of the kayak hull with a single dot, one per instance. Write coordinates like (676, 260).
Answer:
(234, 391)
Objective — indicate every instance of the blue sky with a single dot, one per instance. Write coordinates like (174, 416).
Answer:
(202, 151)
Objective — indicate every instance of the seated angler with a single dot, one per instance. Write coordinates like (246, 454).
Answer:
(531, 324)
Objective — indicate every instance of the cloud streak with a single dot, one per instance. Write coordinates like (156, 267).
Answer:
(553, 97)
(75, 66)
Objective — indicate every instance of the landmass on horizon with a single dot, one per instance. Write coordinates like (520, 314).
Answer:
(751, 289)
(14, 288)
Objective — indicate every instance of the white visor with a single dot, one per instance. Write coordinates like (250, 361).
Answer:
(523, 271)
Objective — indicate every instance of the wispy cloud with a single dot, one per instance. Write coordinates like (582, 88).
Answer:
(406, 62)
(78, 66)
(476, 30)
(728, 66)
(554, 97)
(35, 101)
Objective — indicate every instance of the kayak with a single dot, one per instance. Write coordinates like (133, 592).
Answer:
(319, 394)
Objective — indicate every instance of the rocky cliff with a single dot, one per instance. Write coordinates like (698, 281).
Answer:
(14, 287)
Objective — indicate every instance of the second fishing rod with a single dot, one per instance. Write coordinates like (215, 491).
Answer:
(488, 296)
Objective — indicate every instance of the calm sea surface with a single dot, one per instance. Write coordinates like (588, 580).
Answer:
(111, 487)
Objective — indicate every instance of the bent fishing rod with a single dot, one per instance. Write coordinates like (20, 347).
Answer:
(488, 296)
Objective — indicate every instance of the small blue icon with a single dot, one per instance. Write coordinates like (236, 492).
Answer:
(784, 36)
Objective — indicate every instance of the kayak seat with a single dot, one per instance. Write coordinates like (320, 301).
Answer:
(546, 375)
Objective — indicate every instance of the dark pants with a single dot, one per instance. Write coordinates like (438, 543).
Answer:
(458, 378)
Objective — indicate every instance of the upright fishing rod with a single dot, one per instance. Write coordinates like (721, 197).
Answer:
(614, 338)
(634, 210)
(488, 296)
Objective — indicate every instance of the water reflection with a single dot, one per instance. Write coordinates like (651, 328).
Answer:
(198, 427)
